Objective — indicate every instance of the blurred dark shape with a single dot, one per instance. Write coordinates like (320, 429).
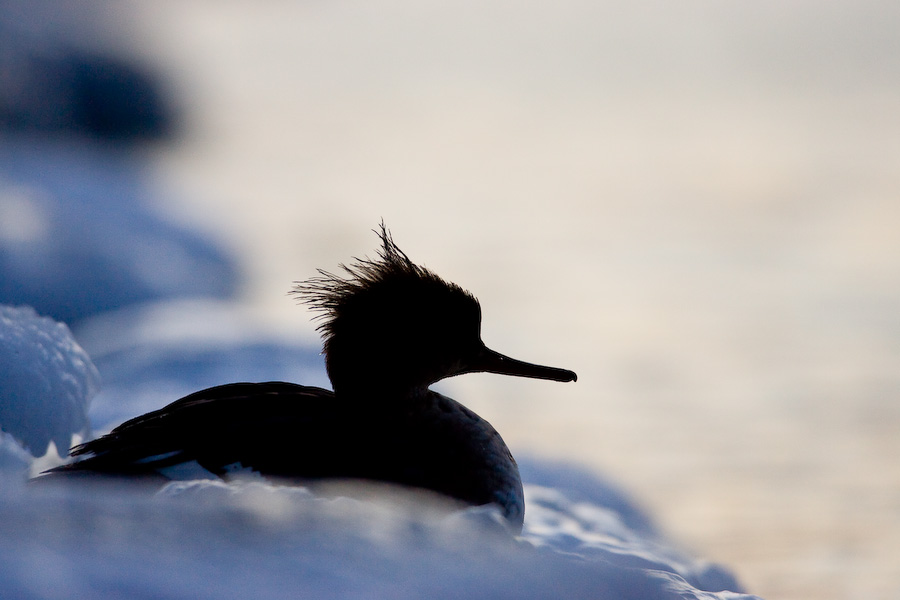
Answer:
(79, 233)
(83, 94)
(51, 88)
(113, 99)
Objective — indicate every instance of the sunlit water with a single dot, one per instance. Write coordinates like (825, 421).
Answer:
(693, 205)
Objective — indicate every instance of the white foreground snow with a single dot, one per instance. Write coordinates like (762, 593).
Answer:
(206, 539)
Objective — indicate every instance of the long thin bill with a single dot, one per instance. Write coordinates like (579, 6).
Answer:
(489, 361)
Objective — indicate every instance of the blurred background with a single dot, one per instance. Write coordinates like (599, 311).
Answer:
(694, 205)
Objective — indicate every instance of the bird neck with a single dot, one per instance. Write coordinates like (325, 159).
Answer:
(377, 389)
(367, 375)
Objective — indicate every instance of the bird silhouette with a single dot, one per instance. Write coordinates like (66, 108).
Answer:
(391, 328)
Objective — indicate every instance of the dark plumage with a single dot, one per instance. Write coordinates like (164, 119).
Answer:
(391, 328)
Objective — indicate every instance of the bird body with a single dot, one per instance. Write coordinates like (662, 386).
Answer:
(391, 329)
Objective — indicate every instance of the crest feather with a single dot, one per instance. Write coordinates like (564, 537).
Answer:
(329, 294)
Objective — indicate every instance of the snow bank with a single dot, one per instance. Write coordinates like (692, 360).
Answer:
(206, 539)
(66, 539)
(46, 381)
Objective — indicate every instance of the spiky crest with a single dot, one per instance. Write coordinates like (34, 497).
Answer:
(331, 294)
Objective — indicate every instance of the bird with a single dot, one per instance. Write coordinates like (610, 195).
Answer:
(390, 329)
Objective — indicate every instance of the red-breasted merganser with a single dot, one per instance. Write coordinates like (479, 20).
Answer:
(391, 328)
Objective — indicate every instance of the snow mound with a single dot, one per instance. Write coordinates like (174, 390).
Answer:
(46, 381)
(248, 539)
(62, 538)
